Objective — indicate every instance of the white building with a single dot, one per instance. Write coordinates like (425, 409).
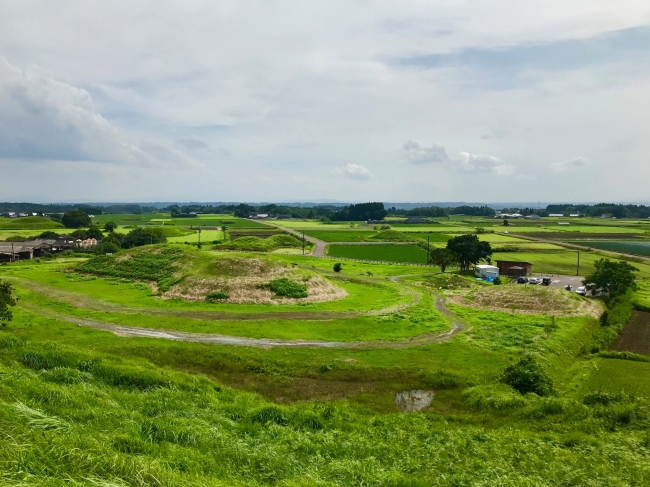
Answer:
(485, 271)
(533, 217)
(556, 215)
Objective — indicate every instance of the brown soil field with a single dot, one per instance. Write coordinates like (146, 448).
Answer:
(527, 300)
(635, 337)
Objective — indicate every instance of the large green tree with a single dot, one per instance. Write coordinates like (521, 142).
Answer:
(143, 236)
(7, 301)
(469, 249)
(75, 219)
(614, 278)
(443, 258)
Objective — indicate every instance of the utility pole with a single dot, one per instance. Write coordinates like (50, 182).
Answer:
(428, 251)
(578, 270)
(303, 243)
(13, 256)
(199, 237)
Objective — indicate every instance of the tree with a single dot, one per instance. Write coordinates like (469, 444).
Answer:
(7, 300)
(110, 226)
(143, 236)
(75, 219)
(469, 249)
(528, 375)
(244, 211)
(311, 214)
(80, 234)
(443, 258)
(615, 278)
(49, 234)
(94, 232)
(337, 267)
(505, 223)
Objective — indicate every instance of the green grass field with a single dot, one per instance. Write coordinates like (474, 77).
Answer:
(28, 223)
(351, 235)
(389, 253)
(83, 403)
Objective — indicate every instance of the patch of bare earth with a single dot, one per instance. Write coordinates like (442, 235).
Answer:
(250, 290)
(635, 337)
(527, 300)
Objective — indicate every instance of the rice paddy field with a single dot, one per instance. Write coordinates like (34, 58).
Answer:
(169, 365)
(389, 253)
(623, 246)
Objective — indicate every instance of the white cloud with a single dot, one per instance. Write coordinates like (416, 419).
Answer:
(484, 164)
(46, 120)
(569, 164)
(418, 154)
(354, 171)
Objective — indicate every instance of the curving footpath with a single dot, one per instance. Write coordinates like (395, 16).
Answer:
(216, 339)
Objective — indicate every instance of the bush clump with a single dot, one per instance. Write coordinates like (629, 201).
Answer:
(216, 296)
(527, 375)
(287, 288)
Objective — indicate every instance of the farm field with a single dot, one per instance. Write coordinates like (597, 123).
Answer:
(352, 235)
(626, 247)
(391, 253)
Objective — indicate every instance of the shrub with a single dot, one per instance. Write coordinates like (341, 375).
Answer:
(528, 375)
(337, 267)
(216, 296)
(497, 281)
(287, 288)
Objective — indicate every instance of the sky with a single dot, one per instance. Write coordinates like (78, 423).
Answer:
(452, 100)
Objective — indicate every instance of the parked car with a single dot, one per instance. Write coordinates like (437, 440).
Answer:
(522, 280)
(533, 280)
(582, 291)
(546, 281)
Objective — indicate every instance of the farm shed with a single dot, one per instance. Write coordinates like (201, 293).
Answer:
(533, 217)
(512, 268)
(485, 271)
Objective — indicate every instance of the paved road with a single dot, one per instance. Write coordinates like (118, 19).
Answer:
(561, 281)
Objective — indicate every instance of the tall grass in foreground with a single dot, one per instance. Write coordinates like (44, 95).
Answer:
(70, 417)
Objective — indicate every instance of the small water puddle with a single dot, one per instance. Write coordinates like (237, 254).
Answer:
(408, 401)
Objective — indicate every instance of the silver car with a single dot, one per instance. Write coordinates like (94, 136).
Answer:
(533, 280)
(582, 291)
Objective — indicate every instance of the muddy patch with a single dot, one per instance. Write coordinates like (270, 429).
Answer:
(409, 401)
(635, 337)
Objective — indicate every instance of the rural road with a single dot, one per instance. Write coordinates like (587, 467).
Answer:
(319, 245)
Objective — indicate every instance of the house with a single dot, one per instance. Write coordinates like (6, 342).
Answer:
(486, 271)
(574, 215)
(259, 216)
(563, 223)
(22, 215)
(513, 268)
(556, 215)
(13, 251)
(533, 217)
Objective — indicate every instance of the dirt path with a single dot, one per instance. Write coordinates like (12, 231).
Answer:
(128, 331)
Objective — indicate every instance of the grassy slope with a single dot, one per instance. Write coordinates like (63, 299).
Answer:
(28, 223)
(87, 405)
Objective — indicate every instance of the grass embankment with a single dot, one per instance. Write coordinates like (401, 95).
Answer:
(258, 244)
(388, 253)
(28, 223)
(84, 406)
